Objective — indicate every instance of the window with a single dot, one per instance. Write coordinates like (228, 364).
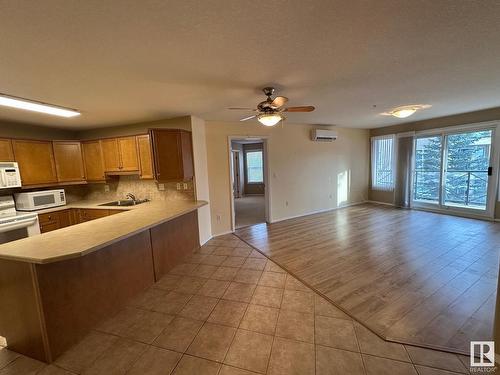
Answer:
(383, 163)
(255, 170)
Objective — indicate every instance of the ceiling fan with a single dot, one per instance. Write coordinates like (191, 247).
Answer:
(270, 111)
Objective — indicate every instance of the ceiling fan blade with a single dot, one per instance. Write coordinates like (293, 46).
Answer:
(242, 109)
(304, 108)
(279, 101)
(248, 118)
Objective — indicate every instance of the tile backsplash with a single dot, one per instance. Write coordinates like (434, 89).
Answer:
(120, 186)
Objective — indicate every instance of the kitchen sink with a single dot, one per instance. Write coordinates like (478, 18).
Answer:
(125, 202)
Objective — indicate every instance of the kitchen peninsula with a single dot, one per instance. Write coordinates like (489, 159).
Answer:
(58, 285)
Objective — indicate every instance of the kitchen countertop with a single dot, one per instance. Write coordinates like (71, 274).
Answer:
(80, 239)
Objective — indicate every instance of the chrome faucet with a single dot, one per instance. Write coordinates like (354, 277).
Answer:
(130, 196)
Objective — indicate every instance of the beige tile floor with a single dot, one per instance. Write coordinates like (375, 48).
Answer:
(229, 311)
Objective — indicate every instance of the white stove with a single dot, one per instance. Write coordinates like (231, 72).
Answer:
(15, 225)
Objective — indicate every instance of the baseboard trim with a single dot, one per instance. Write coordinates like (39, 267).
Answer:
(383, 203)
(209, 238)
(317, 212)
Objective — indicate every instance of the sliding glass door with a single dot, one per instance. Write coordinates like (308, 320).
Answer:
(452, 171)
(428, 165)
(466, 170)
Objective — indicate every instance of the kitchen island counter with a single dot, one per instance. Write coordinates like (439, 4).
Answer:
(57, 286)
(78, 240)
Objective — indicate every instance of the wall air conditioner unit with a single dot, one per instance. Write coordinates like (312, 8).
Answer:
(321, 135)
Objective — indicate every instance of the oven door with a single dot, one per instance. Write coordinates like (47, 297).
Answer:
(17, 229)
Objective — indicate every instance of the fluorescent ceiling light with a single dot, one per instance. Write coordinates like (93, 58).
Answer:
(406, 111)
(269, 119)
(29, 105)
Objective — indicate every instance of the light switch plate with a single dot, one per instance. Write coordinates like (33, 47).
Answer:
(106, 188)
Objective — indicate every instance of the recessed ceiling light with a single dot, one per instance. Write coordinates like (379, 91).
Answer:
(30, 105)
(406, 111)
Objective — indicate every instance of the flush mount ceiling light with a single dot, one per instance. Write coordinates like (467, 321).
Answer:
(406, 111)
(269, 119)
(30, 105)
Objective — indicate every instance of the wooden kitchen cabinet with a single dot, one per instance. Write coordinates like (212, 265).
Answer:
(71, 216)
(6, 151)
(69, 161)
(145, 157)
(93, 161)
(54, 220)
(111, 155)
(36, 161)
(173, 154)
(120, 154)
(88, 214)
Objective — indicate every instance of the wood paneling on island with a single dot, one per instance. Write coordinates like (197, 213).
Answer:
(46, 308)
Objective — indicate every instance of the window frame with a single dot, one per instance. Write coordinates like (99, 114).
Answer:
(257, 150)
(373, 162)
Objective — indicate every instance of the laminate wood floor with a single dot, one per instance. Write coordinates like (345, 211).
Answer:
(410, 276)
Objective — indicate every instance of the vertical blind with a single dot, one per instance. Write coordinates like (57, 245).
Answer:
(383, 163)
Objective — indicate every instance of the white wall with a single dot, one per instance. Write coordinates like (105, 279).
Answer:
(201, 173)
(310, 176)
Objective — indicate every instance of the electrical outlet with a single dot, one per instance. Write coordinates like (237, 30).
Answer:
(161, 187)
(106, 188)
(185, 186)
(178, 186)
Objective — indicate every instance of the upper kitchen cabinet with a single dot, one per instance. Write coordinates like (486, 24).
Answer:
(145, 157)
(36, 162)
(120, 155)
(69, 161)
(93, 161)
(173, 154)
(6, 152)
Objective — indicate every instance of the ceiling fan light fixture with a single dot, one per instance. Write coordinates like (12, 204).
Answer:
(406, 111)
(269, 119)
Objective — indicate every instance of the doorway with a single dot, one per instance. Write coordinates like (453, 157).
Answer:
(248, 181)
(453, 171)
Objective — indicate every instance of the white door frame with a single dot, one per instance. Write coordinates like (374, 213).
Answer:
(493, 183)
(267, 179)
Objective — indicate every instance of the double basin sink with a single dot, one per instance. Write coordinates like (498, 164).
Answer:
(125, 202)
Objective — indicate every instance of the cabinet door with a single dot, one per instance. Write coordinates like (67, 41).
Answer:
(64, 218)
(6, 152)
(93, 160)
(187, 155)
(145, 158)
(172, 154)
(69, 161)
(128, 154)
(111, 155)
(87, 214)
(36, 162)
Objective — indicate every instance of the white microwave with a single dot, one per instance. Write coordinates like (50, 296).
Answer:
(39, 200)
(9, 175)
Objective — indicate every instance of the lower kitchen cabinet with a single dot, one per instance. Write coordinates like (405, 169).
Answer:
(64, 218)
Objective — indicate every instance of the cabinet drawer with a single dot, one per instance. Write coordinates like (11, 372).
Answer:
(48, 217)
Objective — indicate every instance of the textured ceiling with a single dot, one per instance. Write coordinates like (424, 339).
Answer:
(127, 61)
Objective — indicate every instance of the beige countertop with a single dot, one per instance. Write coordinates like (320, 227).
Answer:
(80, 239)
